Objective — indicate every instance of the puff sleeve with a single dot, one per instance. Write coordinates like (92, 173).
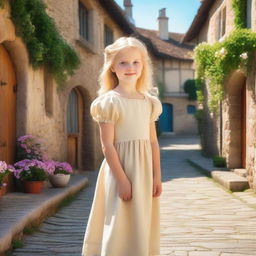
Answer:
(104, 109)
(156, 108)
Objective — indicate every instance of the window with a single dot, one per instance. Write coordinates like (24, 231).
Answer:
(249, 14)
(191, 109)
(108, 36)
(221, 28)
(84, 22)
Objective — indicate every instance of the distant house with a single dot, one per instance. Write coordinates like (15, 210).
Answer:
(173, 66)
(232, 134)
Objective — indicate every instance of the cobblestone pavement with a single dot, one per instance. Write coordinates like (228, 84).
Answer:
(198, 217)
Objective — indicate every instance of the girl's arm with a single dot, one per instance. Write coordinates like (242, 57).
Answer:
(109, 151)
(157, 186)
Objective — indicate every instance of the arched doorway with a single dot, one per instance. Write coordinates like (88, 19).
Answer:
(7, 109)
(234, 121)
(166, 118)
(74, 126)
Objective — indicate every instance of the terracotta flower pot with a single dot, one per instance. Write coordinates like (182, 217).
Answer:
(2, 191)
(59, 180)
(33, 187)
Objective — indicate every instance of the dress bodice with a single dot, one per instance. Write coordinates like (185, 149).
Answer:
(131, 117)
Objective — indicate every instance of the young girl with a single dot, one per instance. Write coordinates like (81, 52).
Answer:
(124, 218)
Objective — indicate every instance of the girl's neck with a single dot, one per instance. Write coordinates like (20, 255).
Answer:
(126, 89)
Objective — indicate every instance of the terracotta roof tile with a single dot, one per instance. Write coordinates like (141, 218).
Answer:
(168, 48)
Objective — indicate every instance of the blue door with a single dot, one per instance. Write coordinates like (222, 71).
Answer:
(166, 118)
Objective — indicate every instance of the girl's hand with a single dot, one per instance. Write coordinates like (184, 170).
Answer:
(157, 187)
(125, 189)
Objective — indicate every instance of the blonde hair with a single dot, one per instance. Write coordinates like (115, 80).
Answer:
(108, 79)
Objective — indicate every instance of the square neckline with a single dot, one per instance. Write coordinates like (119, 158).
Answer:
(118, 94)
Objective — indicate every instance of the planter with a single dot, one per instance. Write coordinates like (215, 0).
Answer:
(59, 180)
(2, 191)
(33, 187)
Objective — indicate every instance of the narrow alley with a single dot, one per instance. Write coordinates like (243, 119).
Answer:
(198, 217)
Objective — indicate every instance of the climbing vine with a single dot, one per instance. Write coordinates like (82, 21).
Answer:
(214, 62)
(239, 8)
(45, 45)
(190, 89)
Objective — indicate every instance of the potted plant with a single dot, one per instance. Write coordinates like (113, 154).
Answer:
(30, 147)
(32, 173)
(4, 171)
(59, 173)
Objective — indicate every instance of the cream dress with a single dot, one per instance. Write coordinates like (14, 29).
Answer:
(116, 227)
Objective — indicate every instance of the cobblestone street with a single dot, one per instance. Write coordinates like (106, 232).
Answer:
(198, 216)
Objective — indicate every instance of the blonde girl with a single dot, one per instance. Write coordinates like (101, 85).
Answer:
(124, 218)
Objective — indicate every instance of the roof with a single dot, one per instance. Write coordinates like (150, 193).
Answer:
(118, 14)
(199, 20)
(172, 48)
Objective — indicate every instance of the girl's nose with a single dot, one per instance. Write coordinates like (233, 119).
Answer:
(129, 65)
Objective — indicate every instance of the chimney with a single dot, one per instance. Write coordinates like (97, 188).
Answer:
(163, 25)
(128, 10)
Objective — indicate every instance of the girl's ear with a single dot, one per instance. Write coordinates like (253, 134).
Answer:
(112, 69)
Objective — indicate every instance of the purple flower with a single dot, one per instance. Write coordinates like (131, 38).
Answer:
(63, 167)
(3, 167)
(25, 137)
(50, 166)
(11, 168)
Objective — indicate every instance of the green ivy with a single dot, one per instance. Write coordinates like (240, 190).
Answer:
(215, 62)
(161, 89)
(45, 45)
(190, 89)
(240, 9)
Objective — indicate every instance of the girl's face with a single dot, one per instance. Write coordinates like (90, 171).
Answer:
(128, 65)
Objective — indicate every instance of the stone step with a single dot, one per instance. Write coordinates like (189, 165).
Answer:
(239, 171)
(230, 180)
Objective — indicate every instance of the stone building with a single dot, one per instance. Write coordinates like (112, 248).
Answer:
(232, 134)
(173, 66)
(30, 101)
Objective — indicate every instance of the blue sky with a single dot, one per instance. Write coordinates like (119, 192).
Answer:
(180, 13)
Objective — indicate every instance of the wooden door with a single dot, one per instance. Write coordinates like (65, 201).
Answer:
(243, 126)
(74, 126)
(7, 109)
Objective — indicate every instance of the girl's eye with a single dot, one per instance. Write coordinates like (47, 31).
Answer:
(122, 62)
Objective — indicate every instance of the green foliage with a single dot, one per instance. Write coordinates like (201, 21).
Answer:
(199, 114)
(161, 89)
(17, 244)
(219, 161)
(28, 230)
(199, 90)
(34, 174)
(190, 89)
(44, 43)
(215, 62)
(199, 117)
(239, 8)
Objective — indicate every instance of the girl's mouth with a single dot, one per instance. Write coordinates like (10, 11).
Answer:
(130, 74)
